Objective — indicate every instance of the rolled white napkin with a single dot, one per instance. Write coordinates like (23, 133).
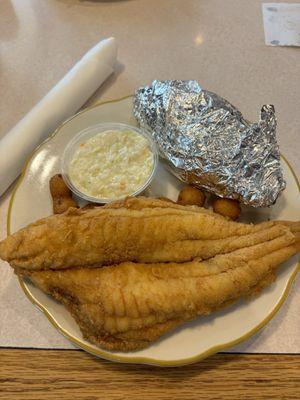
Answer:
(59, 104)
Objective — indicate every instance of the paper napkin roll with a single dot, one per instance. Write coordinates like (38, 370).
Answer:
(59, 104)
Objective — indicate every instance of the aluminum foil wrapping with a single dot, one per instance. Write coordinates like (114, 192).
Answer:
(207, 142)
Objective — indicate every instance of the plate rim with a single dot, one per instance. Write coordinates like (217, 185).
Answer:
(129, 359)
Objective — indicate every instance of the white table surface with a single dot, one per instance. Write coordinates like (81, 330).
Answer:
(220, 44)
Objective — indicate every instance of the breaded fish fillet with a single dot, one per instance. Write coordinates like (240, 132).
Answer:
(138, 230)
(127, 306)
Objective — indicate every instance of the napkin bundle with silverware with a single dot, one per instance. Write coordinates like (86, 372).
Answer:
(60, 103)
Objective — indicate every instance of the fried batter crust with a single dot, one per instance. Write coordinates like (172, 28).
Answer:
(139, 231)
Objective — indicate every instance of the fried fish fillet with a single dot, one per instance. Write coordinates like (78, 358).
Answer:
(127, 306)
(137, 230)
(170, 264)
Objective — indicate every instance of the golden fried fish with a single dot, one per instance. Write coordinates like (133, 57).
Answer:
(108, 235)
(127, 306)
(169, 264)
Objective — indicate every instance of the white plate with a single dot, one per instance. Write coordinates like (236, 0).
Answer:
(193, 341)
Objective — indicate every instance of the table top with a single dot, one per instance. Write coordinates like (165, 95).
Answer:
(78, 375)
(221, 46)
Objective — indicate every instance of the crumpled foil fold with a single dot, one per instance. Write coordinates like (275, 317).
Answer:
(207, 142)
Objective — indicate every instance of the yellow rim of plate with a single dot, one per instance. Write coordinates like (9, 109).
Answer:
(140, 360)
